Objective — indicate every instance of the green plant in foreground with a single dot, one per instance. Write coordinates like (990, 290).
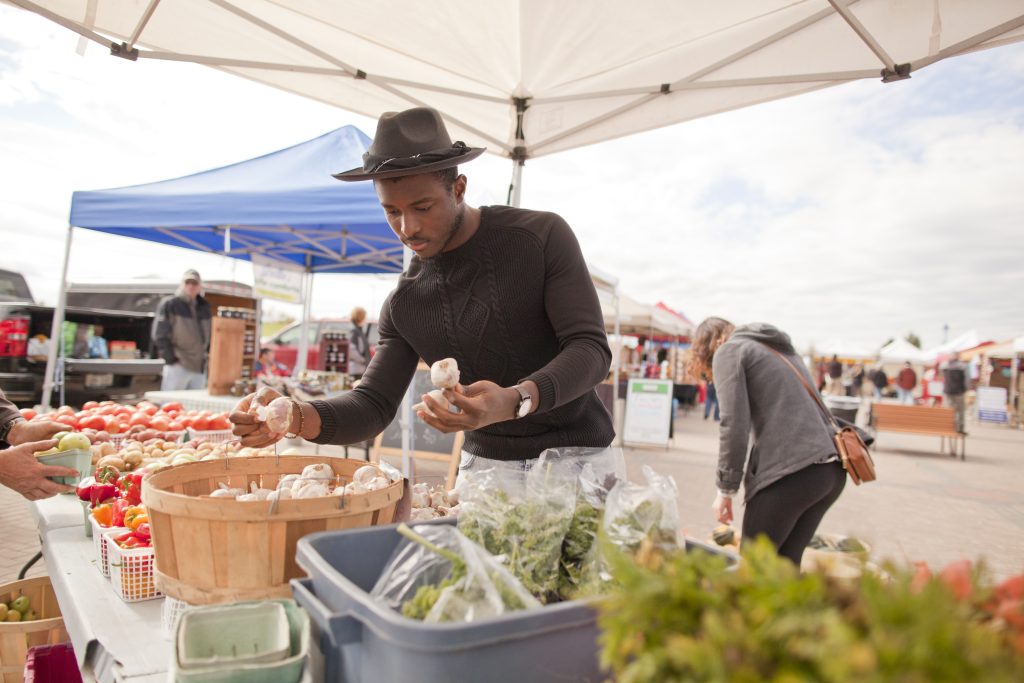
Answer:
(688, 618)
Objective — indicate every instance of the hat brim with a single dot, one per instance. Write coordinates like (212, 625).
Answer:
(360, 174)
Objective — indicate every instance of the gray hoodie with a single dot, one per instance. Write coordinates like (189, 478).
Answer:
(759, 394)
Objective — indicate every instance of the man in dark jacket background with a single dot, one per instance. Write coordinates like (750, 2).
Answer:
(954, 386)
(181, 335)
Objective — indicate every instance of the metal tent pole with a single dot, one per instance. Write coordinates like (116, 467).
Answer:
(307, 307)
(405, 412)
(56, 329)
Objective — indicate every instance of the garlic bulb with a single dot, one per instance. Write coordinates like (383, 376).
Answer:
(279, 413)
(445, 373)
(312, 490)
(420, 500)
(438, 498)
(365, 474)
(226, 493)
(437, 395)
(247, 497)
(377, 484)
(423, 514)
(319, 472)
(280, 494)
(287, 481)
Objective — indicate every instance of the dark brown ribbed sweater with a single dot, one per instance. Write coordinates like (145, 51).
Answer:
(514, 303)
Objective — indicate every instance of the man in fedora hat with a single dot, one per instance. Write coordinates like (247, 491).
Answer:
(504, 291)
(181, 335)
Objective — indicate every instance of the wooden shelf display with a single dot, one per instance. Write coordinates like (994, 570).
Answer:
(333, 356)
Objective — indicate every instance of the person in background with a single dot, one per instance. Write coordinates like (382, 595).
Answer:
(358, 344)
(97, 344)
(857, 380)
(266, 366)
(711, 397)
(181, 334)
(504, 291)
(835, 376)
(793, 474)
(954, 387)
(906, 381)
(879, 381)
(20, 440)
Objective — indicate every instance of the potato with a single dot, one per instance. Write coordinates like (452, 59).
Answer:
(133, 459)
(111, 460)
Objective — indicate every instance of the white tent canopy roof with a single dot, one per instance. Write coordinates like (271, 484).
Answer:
(967, 340)
(899, 350)
(639, 319)
(843, 349)
(531, 77)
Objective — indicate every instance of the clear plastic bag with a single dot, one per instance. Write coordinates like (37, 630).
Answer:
(439, 575)
(520, 519)
(594, 472)
(636, 517)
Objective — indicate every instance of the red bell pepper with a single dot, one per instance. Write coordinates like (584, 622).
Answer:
(120, 505)
(131, 484)
(84, 487)
(132, 539)
(99, 493)
(143, 533)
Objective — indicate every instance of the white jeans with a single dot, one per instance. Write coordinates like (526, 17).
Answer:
(176, 378)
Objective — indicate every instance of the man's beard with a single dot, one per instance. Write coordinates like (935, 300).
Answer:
(456, 225)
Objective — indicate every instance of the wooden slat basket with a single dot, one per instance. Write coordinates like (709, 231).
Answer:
(17, 637)
(211, 550)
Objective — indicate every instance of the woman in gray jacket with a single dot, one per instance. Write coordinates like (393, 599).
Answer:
(792, 475)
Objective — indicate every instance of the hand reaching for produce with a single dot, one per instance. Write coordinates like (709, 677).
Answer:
(722, 508)
(263, 418)
(480, 404)
(19, 470)
(36, 430)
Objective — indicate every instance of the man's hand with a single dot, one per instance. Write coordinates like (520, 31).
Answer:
(246, 425)
(39, 430)
(20, 471)
(480, 404)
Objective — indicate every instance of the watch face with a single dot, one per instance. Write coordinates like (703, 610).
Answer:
(525, 405)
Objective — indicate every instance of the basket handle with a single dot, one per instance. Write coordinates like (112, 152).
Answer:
(340, 629)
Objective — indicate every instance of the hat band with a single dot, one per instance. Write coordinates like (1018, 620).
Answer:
(399, 163)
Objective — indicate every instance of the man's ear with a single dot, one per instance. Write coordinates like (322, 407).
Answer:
(459, 188)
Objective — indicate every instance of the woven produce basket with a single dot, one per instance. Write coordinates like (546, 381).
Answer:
(17, 637)
(211, 550)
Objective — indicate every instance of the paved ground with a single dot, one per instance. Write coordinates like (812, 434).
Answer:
(923, 507)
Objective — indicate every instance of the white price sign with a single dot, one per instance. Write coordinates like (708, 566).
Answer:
(277, 279)
(648, 411)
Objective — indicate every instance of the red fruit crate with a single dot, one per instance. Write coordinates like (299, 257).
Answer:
(52, 664)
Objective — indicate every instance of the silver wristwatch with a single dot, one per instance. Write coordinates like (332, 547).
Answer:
(525, 402)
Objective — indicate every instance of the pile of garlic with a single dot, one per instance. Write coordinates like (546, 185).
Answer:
(315, 481)
(431, 502)
(444, 374)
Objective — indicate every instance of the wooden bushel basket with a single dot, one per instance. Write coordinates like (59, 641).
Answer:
(211, 550)
(17, 637)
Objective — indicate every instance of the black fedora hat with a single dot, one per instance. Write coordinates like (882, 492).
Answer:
(410, 142)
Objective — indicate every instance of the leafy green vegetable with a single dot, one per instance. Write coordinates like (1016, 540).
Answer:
(685, 618)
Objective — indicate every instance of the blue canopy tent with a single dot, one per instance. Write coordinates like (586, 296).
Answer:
(284, 206)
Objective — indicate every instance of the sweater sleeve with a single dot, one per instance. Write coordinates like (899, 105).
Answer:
(574, 311)
(368, 409)
(8, 411)
(734, 434)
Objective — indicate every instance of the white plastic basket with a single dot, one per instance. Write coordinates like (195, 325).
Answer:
(98, 535)
(131, 571)
(170, 613)
(212, 435)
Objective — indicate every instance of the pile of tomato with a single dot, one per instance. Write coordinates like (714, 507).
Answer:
(115, 418)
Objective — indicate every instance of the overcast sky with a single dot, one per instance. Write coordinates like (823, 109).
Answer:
(859, 213)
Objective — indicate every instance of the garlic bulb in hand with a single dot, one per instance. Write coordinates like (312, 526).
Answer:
(445, 373)
(438, 396)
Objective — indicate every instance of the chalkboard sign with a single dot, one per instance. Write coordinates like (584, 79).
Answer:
(422, 437)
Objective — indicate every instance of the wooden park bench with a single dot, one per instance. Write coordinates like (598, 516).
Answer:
(929, 420)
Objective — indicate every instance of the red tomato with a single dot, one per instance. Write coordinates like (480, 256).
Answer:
(69, 420)
(139, 418)
(148, 409)
(64, 410)
(89, 405)
(184, 420)
(175, 426)
(160, 423)
(80, 414)
(220, 422)
(113, 426)
(27, 413)
(93, 422)
(202, 423)
(107, 410)
(172, 406)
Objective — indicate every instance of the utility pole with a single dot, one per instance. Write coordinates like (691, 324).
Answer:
(945, 332)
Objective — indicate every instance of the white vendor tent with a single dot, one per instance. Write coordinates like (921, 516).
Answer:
(900, 351)
(527, 78)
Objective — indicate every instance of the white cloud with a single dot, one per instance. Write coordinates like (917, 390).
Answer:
(858, 212)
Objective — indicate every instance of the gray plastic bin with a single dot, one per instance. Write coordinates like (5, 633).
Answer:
(363, 641)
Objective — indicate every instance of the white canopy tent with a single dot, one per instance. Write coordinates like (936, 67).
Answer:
(527, 78)
(967, 340)
(900, 351)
